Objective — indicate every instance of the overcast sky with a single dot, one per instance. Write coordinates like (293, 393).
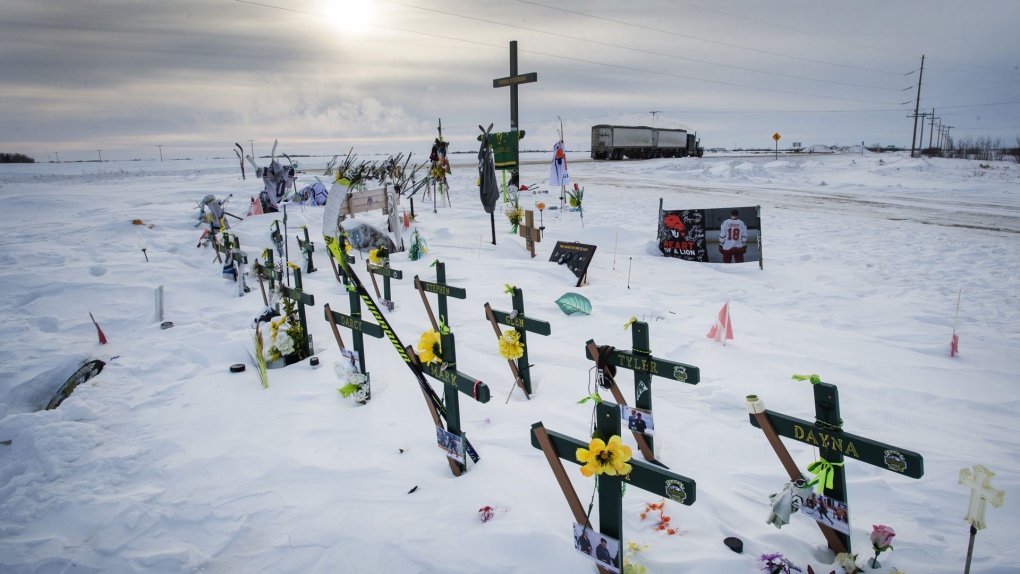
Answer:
(198, 75)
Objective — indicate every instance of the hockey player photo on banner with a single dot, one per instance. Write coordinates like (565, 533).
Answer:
(732, 234)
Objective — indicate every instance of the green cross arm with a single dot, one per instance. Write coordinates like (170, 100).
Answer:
(647, 364)
(265, 272)
(297, 295)
(521, 322)
(905, 462)
(467, 385)
(354, 324)
(442, 289)
(387, 272)
(643, 475)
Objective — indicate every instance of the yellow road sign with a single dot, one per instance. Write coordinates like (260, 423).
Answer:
(776, 137)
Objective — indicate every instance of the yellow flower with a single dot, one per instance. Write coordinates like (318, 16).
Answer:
(429, 349)
(348, 247)
(609, 458)
(510, 345)
(373, 256)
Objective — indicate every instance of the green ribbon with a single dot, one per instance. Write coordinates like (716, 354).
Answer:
(823, 471)
(815, 379)
(509, 289)
(629, 323)
(434, 262)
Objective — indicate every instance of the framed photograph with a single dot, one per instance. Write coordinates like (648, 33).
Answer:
(601, 549)
(352, 357)
(828, 511)
(637, 420)
(450, 443)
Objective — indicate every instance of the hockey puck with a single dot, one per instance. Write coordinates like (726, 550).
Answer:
(734, 544)
(166, 325)
(237, 367)
(314, 362)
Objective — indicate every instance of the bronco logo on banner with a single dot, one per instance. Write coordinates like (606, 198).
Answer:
(720, 235)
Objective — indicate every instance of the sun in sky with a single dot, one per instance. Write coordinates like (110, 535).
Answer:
(351, 16)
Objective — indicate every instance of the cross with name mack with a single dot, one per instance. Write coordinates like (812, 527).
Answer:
(645, 476)
(514, 80)
(387, 273)
(833, 444)
(640, 360)
(517, 320)
(307, 248)
(439, 288)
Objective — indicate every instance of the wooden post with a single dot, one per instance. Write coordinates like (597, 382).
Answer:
(529, 232)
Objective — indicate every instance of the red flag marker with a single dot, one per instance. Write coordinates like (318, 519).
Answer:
(954, 345)
(102, 337)
(256, 207)
(722, 329)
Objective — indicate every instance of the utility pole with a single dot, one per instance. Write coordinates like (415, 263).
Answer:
(917, 103)
(100, 155)
(939, 140)
(160, 152)
(920, 140)
(653, 112)
(252, 142)
(932, 130)
(57, 153)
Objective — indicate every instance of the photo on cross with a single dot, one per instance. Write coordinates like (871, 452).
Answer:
(603, 550)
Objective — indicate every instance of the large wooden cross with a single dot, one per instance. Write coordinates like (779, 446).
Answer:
(517, 320)
(454, 381)
(649, 477)
(833, 444)
(307, 248)
(529, 232)
(387, 273)
(296, 294)
(266, 272)
(358, 328)
(514, 80)
(640, 360)
(443, 290)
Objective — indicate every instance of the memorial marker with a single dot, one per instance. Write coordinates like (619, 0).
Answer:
(529, 232)
(522, 324)
(833, 444)
(307, 248)
(443, 290)
(387, 273)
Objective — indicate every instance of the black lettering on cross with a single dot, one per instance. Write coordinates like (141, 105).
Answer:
(522, 324)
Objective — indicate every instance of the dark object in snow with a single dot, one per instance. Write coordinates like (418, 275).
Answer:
(412, 490)
(84, 373)
(734, 544)
(166, 325)
(237, 367)
(314, 362)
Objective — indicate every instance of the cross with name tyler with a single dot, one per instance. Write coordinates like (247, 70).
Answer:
(523, 324)
(645, 476)
(833, 444)
(439, 287)
(640, 360)
(514, 80)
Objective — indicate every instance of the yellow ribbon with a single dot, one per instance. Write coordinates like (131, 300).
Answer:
(823, 471)
(509, 289)
(815, 379)
(629, 323)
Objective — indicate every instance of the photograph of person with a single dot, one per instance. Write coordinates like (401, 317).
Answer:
(732, 234)
(450, 443)
(603, 550)
(828, 511)
(638, 420)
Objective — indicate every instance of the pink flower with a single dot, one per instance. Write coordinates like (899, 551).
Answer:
(881, 537)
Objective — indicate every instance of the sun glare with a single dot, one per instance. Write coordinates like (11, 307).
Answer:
(350, 16)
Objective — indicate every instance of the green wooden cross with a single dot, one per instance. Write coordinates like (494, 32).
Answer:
(644, 365)
(522, 324)
(240, 259)
(265, 272)
(336, 271)
(454, 381)
(358, 328)
(826, 434)
(301, 298)
(307, 248)
(649, 477)
(387, 273)
(443, 290)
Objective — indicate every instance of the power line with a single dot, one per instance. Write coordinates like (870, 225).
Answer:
(671, 33)
(578, 39)
(618, 66)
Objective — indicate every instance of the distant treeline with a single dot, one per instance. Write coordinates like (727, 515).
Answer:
(15, 158)
(983, 148)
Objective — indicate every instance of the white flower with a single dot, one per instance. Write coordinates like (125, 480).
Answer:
(361, 395)
(284, 343)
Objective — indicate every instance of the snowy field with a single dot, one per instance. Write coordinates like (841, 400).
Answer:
(167, 463)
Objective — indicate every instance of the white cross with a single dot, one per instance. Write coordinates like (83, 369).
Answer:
(981, 491)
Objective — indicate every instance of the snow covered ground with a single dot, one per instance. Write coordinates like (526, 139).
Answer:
(167, 462)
